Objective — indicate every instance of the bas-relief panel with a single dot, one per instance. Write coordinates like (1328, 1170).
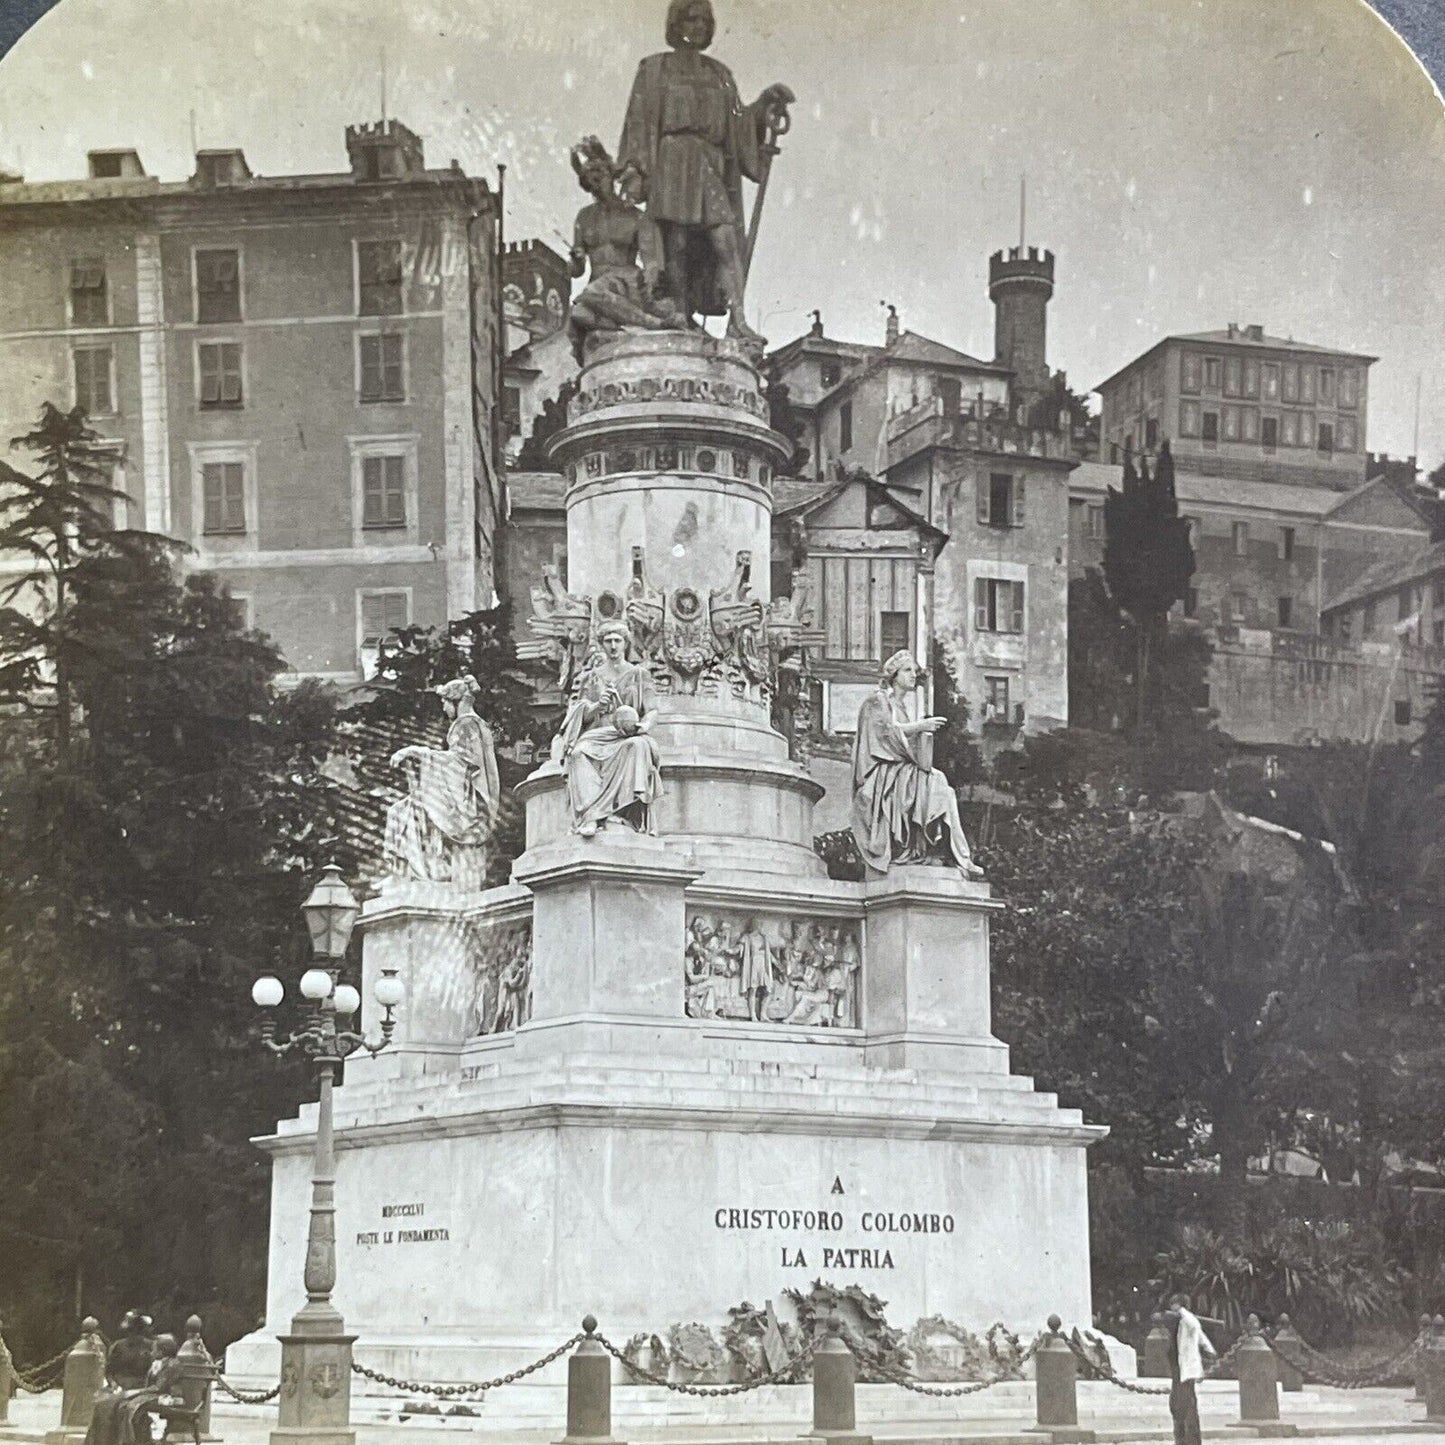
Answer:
(502, 958)
(767, 969)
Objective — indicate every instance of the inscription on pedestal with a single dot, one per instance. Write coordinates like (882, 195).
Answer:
(408, 1234)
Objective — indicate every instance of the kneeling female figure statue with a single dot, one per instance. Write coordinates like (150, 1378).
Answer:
(904, 810)
(612, 762)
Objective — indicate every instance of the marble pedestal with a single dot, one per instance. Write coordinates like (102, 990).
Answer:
(633, 1134)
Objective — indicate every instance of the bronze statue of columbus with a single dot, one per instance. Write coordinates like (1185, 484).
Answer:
(686, 145)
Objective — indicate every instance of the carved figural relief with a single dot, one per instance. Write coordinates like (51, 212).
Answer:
(904, 810)
(504, 977)
(605, 747)
(437, 832)
(761, 969)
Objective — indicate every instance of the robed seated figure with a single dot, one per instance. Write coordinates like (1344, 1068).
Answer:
(438, 832)
(605, 746)
(904, 810)
(143, 1377)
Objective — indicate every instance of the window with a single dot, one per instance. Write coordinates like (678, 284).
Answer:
(1349, 388)
(511, 405)
(1345, 626)
(1231, 423)
(383, 491)
(1437, 592)
(1402, 712)
(1128, 441)
(995, 701)
(845, 427)
(1289, 380)
(1211, 373)
(1189, 372)
(1325, 439)
(1189, 418)
(1286, 544)
(1307, 385)
(219, 367)
(1239, 608)
(1251, 378)
(1403, 602)
(1367, 621)
(1286, 611)
(1151, 433)
(244, 609)
(894, 633)
(93, 392)
(380, 615)
(950, 389)
(1269, 432)
(223, 498)
(378, 278)
(1094, 522)
(89, 302)
(1439, 631)
(1241, 539)
(1191, 602)
(218, 285)
(1270, 378)
(1000, 500)
(1211, 428)
(1327, 384)
(1290, 429)
(1249, 423)
(998, 606)
(831, 373)
(383, 374)
(1233, 378)
(1348, 436)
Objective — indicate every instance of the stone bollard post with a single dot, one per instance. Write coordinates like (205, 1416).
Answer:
(1056, 1387)
(198, 1374)
(1258, 1379)
(7, 1379)
(1425, 1336)
(835, 1375)
(84, 1376)
(1435, 1372)
(1290, 1378)
(1156, 1350)
(589, 1391)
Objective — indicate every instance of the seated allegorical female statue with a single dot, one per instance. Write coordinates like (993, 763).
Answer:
(904, 810)
(438, 831)
(605, 746)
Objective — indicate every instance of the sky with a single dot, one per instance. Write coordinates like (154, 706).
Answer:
(1190, 162)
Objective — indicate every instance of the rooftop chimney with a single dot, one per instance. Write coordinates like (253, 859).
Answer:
(221, 168)
(110, 165)
(817, 327)
(890, 328)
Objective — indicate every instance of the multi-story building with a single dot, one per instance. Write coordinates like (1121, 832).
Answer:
(536, 301)
(299, 372)
(1238, 403)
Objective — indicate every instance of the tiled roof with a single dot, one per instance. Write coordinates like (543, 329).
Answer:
(912, 347)
(1385, 576)
(790, 494)
(1094, 479)
(1240, 337)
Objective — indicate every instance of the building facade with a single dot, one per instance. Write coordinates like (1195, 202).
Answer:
(1238, 403)
(299, 374)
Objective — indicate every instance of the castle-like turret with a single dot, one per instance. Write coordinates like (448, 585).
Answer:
(1020, 283)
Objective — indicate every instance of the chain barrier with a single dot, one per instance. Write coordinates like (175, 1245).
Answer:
(1321, 1369)
(470, 1387)
(1095, 1371)
(248, 1397)
(972, 1387)
(31, 1380)
(773, 1377)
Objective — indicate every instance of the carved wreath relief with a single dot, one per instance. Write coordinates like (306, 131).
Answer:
(504, 978)
(761, 969)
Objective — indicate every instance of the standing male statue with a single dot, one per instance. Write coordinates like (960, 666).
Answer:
(686, 145)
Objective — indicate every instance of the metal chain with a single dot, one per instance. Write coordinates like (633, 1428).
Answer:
(1326, 1372)
(1096, 1371)
(470, 1387)
(973, 1387)
(23, 1376)
(772, 1378)
(248, 1397)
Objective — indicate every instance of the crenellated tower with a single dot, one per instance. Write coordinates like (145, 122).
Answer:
(1020, 283)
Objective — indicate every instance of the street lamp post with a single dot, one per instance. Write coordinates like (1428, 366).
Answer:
(315, 1400)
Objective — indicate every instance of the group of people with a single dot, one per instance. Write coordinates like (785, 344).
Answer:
(142, 1380)
(806, 974)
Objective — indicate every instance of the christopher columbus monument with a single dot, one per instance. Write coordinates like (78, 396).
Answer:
(672, 1066)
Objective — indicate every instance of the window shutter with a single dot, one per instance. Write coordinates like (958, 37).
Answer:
(210, 375)
(980, 604)
(1018, 501)
(391, 367)
(1017, 610)
(981, 485)
(211, 500)
(371, 369)
(231, 373)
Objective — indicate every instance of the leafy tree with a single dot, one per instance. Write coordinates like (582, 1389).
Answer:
(1147, 563)
(160, 815)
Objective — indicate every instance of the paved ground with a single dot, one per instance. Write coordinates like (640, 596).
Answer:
(1356, 1417)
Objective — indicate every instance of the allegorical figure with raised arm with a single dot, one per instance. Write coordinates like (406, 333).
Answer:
(904, 810)
(687, 143)
(605, 746)
(438, 831)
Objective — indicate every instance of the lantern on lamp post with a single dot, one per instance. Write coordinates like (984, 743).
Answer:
(316, 1356)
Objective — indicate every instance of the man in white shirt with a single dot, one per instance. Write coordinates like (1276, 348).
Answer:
(1188, 1348)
